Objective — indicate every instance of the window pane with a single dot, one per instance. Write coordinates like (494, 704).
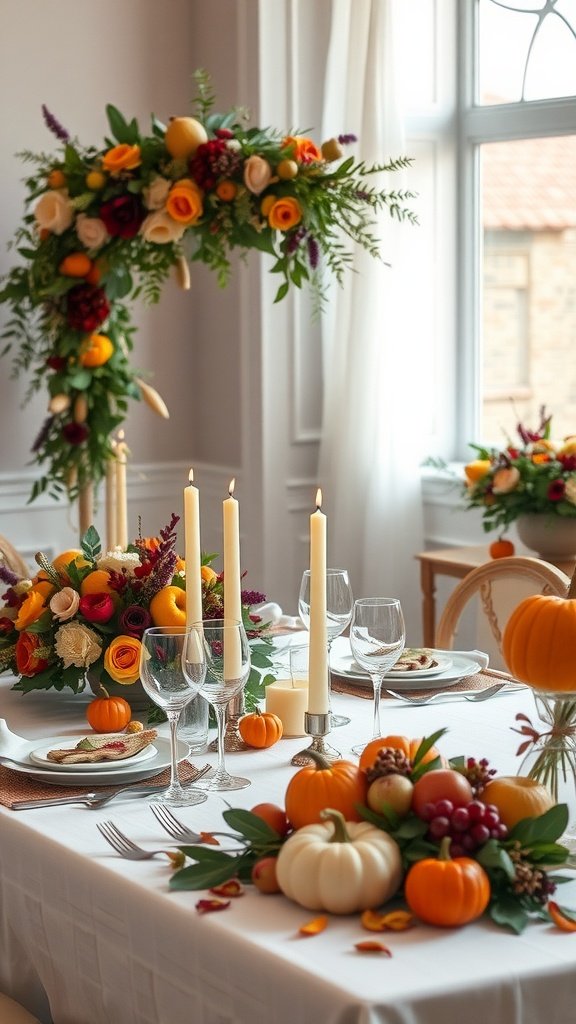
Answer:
(528, 196)
(526, 52)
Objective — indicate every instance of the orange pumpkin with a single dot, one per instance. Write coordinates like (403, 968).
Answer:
(501, 548)
(338, 784)
(447, 892)
(260, 729)
(407, 746)
(517, 797)
(539, 639)
(108, 714)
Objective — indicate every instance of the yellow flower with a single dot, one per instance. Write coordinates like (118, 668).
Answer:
(184, 202)
(122, 660)
(121, 158)
(285, 213)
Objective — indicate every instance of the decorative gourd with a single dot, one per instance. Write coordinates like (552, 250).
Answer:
(338, 784)
(339, 866)
(407, 746)
(539, 641)
(447, 892)
(108, 714)
(501, 548)
(517, 797)
(260, 729)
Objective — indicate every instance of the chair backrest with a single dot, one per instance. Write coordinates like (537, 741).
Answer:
(11, 559)
(12, 1012)
(541, 578)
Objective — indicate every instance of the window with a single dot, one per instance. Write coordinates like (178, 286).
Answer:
(518, 214)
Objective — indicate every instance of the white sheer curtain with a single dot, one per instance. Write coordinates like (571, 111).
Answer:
(369, 453)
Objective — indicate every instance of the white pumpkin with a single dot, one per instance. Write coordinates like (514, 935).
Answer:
(339, 866)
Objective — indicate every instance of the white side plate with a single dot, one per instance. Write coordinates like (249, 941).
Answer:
(462, 664)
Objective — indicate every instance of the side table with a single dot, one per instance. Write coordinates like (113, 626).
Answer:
(456, 562)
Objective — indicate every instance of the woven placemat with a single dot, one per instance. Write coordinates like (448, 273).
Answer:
(480, 681)
(14, 786)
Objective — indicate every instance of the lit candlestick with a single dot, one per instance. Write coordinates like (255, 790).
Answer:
(111, 499)
(232, 588)
(192, 554)
(121, 495)
(318, 686)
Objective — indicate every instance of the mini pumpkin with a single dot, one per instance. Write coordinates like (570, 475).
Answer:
(260, 729)
(447, 892)
(108, 714)
(539, 639)
(339, 866)
(338, 784)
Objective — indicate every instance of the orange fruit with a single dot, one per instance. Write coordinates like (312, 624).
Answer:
(274, 816)
(56, 178)
(287, 169)
(96, 350)
(97, 582)
(168, 607)
(95, 180)
(76, 264)
(183, 136)
(207, 573)
(477, 469)
(226, 191)
(517, 797)
(403, 743)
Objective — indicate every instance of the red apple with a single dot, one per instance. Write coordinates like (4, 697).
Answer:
(441, 784)
(394, 790)
(274, 816)
(264, 875)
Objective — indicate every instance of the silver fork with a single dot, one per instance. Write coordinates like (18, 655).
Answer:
(473, 697)
(172, 825)
(128, 849)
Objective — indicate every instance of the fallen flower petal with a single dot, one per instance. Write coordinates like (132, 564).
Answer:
(373, 921)
(209, 906)
(566, 924)
(232, 888)
(398, 920)
(208, 839)
(371, 946)
(313, 927)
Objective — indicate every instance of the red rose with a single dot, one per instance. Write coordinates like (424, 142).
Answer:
(75, 433)
(123, 216)
(28, 662)
(56, 363)
(96, 607)
(87, 307)
(134, 620)
(556, 490)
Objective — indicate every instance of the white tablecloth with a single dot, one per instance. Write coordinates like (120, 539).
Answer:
(88, 938)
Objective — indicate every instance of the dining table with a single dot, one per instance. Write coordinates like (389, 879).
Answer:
(87, 937)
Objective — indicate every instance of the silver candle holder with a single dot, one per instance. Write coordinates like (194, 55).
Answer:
(317, 726)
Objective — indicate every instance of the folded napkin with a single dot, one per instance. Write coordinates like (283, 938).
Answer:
(271, 613)
(110, 747)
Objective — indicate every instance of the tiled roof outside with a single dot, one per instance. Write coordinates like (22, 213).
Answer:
(530, 184)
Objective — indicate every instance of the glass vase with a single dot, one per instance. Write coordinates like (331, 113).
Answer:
(551, 758)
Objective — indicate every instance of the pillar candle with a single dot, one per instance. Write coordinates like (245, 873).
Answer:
(289, 701)
(318, 687)
(232, 587)
(192, 553)
(111, 500)
(121, 495)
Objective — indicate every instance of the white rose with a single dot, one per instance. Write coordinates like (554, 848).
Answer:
(161, 229)
(155, 195)
(54, 212)
(91, 231)
(64, 604)
(257, 174)
(116, 561)
(570, 490)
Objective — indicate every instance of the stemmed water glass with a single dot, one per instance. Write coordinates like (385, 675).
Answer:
(165, 683)
(225, 653)
(339, 604)
(377, 638)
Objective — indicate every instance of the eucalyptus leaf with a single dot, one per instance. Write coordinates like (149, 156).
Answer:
(508, 913)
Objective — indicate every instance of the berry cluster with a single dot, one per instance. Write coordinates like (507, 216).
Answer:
(478, 773)
(468, 827)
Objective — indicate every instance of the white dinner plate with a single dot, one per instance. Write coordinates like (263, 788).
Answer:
(462, 664)
(39, 756)
(132, 773)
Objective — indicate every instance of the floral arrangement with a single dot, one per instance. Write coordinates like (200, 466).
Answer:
(536, 475)
(448, 806)
(85, 613)
(107, 223)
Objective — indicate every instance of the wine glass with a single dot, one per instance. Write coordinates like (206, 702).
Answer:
(226, 655)
(165, 683)
(377, 638)
(339, 604)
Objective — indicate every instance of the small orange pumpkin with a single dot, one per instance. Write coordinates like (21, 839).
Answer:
(538, 641)
(260, 729)
(108, 714)
(341, 785)
(501, 548)
(407, 746)
(447, 892)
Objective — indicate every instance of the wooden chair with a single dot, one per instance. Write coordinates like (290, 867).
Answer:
(538, 577)
(11, 559)
(12, 1012)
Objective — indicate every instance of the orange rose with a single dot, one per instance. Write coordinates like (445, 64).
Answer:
(302, 149)
(285, 213)
(32, 607)
(29, 651)
(184, 202)
(122, 660)
(122, 158)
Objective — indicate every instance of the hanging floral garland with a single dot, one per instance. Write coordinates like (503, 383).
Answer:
(107, 224)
